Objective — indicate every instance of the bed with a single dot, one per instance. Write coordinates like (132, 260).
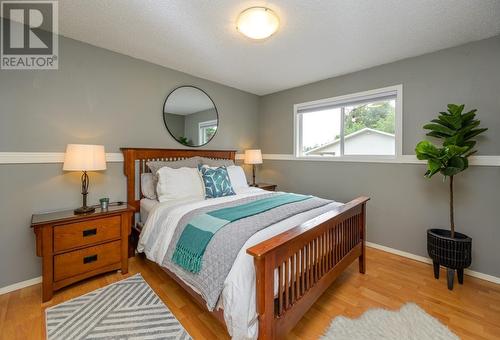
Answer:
(279, 272)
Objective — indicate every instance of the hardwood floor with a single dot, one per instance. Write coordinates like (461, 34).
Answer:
(472, 311)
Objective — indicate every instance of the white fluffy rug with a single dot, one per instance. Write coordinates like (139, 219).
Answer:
(409, 323)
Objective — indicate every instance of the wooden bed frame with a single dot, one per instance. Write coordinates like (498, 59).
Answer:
(308, 258)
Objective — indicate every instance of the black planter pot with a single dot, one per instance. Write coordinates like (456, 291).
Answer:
(452, 253)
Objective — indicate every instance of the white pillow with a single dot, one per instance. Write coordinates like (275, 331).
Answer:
(179, 183)
(148, 185)
(237, 177)
(215, 163)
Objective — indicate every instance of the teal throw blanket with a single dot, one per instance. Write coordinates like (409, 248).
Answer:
(200, 229)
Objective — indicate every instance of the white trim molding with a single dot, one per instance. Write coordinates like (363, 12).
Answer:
(58, 157)
(424, 259)
(404, 159)
(46, 157)
(20, 285)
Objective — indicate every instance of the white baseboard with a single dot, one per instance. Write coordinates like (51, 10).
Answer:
(424, 259)
(486, 277)
(19, 285)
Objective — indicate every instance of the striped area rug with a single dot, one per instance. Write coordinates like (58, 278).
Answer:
(127, 309)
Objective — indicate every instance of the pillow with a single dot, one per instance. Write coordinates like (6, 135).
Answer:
(216, 162)
(154, 166)
(148, 188)
(179, 183)
(192, 162)
(237, 177)
(217, 182)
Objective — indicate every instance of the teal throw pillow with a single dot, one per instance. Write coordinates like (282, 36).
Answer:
(216, 181)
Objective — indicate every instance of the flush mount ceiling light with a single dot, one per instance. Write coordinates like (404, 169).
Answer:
(257, 22)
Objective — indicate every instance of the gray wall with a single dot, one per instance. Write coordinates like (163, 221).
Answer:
(404, 204)
(96, 97)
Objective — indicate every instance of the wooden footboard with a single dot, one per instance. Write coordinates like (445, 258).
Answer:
(308, 259)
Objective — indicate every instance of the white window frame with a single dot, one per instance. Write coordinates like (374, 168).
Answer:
(343, 100)
(201, 126)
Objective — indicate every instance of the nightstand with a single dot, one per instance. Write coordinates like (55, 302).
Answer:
(266, 186)
(75, 247)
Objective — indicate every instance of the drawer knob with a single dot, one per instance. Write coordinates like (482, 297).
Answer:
(89, 259)
(89, 232)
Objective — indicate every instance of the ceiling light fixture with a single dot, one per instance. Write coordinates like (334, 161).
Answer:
(257, 22)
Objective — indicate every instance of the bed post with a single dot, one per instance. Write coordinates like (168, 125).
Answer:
(362, 226)
(128, 169)
(264, 281)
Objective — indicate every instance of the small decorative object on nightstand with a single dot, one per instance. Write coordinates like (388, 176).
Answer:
(81, 157)
(266, 186)
(104, 203)
(253, 157)
(75, 247)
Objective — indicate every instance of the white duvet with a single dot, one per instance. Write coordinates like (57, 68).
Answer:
(238, 295)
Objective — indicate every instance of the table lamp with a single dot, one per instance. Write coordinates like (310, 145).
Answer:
(253, 157)
(81, 157)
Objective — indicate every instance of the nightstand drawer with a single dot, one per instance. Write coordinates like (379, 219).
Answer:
(85, 260)
(80, 234)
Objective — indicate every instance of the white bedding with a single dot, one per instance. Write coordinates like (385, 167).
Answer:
(238, 295)
(147, 206)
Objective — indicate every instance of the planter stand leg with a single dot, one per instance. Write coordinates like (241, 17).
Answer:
(436, 269)
(450, 276)
(460, 274)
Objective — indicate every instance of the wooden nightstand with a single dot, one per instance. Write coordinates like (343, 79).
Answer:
(266, 186)
(75, 247)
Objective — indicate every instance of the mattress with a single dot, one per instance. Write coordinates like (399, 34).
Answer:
(147, 206)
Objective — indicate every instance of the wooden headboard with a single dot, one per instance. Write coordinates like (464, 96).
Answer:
(137, 157)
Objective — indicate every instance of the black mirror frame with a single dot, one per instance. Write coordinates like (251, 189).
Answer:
(165, 122)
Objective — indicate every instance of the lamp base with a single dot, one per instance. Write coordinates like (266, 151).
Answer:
(84, 210)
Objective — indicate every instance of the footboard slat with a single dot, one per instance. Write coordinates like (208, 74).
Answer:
(315, 246)
(287, 284)
(304, 271)
(280, 289)
(307, 259)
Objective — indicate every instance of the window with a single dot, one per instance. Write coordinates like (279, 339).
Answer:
(207, 130)
(358, 126)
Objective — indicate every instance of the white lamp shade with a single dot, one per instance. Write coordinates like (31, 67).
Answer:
(82, 157)
(253, 156)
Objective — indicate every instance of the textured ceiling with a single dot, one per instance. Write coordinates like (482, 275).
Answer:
(317, 39)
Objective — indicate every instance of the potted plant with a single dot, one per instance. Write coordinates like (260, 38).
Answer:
(447, 247)
(184, 140)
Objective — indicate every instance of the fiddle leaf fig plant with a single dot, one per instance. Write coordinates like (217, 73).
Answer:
(456, 130)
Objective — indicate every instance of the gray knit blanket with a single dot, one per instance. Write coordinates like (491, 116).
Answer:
(225, 245)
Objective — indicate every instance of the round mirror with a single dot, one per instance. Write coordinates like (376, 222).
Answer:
(190, 116)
